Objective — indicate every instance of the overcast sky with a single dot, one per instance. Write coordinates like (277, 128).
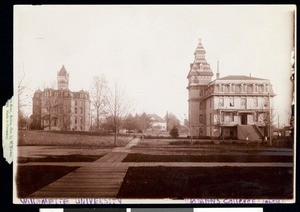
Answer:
(148, 49)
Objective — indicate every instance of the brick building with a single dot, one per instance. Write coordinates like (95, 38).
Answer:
(61, 109)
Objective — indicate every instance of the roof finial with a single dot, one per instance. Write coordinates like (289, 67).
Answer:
(199, 40)
(218, 73)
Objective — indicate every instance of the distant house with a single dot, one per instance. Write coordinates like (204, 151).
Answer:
(233, 106)
(61, 109)
(157, 122)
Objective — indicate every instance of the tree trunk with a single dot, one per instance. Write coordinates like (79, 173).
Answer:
(49, 122)
(115, 138)
(97, 118)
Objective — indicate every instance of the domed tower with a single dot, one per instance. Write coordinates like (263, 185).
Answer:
(200, 75)
(62, 79)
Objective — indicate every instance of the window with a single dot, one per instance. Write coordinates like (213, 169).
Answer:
(75, 120)
(81, 110)
(249, 89)
(75, 102)
(200, 132)
(267, 88)
(238, 89)
(231, 117)
(244, 88)
(243, 102)
(80, 120)
(254, 88)
(226, 88)
(75, 110)
(266, 102)
(255, 102)
(211, 118)
(231, 102)
(221, 102)
(201, 119)
(221, 88)
(201, 105)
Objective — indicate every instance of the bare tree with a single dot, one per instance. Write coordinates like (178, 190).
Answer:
(266, 118)
(130, 123)
(144, 122)
(99, 97)
(117, 108)
(53, 106)
(22, 86)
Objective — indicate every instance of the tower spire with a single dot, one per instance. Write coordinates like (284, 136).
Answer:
(218, 72)
(200, 72)
(63, 78)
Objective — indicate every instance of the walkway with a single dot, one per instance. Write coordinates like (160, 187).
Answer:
(103, 177)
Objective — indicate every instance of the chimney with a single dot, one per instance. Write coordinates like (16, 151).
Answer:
(218, 73)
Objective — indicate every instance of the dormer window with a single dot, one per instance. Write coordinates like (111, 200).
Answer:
(201, 67)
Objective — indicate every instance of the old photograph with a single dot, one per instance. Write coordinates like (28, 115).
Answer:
(134, 104)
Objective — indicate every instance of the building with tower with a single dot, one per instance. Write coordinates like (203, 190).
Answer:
(61, 109)
(234, 106)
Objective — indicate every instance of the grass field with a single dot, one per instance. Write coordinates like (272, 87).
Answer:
(208, 182)
(46, 138)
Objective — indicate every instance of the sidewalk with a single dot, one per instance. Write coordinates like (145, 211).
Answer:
(101, 178)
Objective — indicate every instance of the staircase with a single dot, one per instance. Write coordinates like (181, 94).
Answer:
(249, 132)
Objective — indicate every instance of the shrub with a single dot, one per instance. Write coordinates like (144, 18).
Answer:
(174, 132)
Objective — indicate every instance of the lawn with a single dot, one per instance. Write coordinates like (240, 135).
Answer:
(59, 158)
(32, 178)
(56, 138)
(206, 158)
(208, 182)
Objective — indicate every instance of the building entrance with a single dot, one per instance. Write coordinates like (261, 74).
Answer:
(244, 119)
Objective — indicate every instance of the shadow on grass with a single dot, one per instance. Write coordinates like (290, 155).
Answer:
(208, 182)
(60, 158)
(32, 178)
(206, 158)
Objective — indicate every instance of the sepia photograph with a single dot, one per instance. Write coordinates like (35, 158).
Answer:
(157, 104)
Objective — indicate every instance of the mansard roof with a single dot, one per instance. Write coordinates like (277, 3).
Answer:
(239, 77)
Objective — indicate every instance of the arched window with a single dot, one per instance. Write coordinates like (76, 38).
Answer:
(260, 88)
(238, 89)
(249, 89)
(226, 88)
